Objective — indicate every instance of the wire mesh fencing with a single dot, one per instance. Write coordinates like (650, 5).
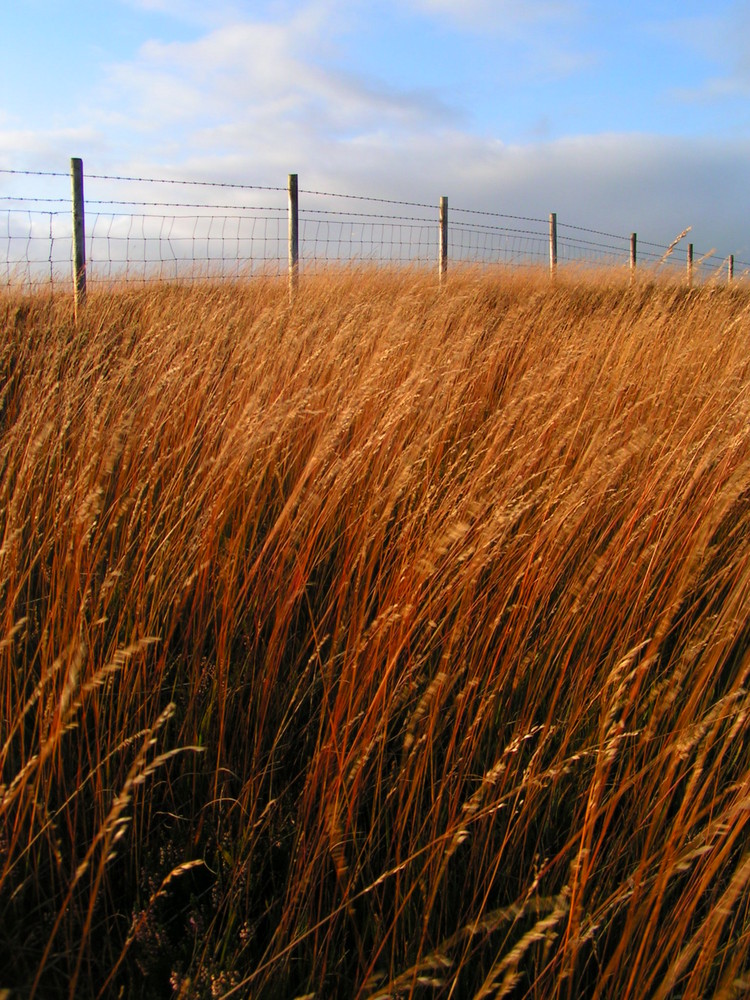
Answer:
(155, 230)
(345, 228)
(141, 229)
(142, 245)
(477, 237)
(37, 245)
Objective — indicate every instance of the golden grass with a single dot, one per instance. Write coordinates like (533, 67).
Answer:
(393, 644)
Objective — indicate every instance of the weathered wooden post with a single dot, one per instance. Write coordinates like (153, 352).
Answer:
(293, 235)
(633, 254)
(690, 265)
(443, 267)
(79, 236)
(730, 269)
(553, 243)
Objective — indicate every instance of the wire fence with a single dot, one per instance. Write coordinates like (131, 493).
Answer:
(140, 229)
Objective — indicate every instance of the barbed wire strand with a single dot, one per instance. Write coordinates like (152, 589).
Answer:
(183, 181)
(34, 173)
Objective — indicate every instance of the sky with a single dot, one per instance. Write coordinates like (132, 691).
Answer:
(618, 116)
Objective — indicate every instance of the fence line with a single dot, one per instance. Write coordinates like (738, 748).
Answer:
(274, 229)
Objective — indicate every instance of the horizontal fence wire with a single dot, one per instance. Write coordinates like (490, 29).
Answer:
(141, 229)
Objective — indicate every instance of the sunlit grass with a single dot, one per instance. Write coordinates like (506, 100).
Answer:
(390, 644)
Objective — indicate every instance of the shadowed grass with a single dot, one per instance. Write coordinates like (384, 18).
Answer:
(393, 644)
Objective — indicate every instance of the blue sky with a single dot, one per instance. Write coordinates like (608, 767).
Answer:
(621, 116)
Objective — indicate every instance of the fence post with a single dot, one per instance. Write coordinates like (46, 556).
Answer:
(730, 269)
(690, 264)
(293, 235)
(443, 267)
(79, 235)
(553, 243)
(633, 254)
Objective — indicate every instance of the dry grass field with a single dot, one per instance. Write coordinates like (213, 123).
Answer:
(396, 644)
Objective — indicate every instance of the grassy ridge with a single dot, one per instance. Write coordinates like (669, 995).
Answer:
(395, 644)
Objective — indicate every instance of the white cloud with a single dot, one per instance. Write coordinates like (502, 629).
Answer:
(188, 11)
(502, 16)
(46, 150)
(714, 89)
(543, 36)
(722, 41)
(261, 78)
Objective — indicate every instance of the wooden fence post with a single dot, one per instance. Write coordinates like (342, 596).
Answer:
(553, 243)
(292, 188)
(79, 236)
(730, 269)
(633, 254)
(690, 264)
(443, 266)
